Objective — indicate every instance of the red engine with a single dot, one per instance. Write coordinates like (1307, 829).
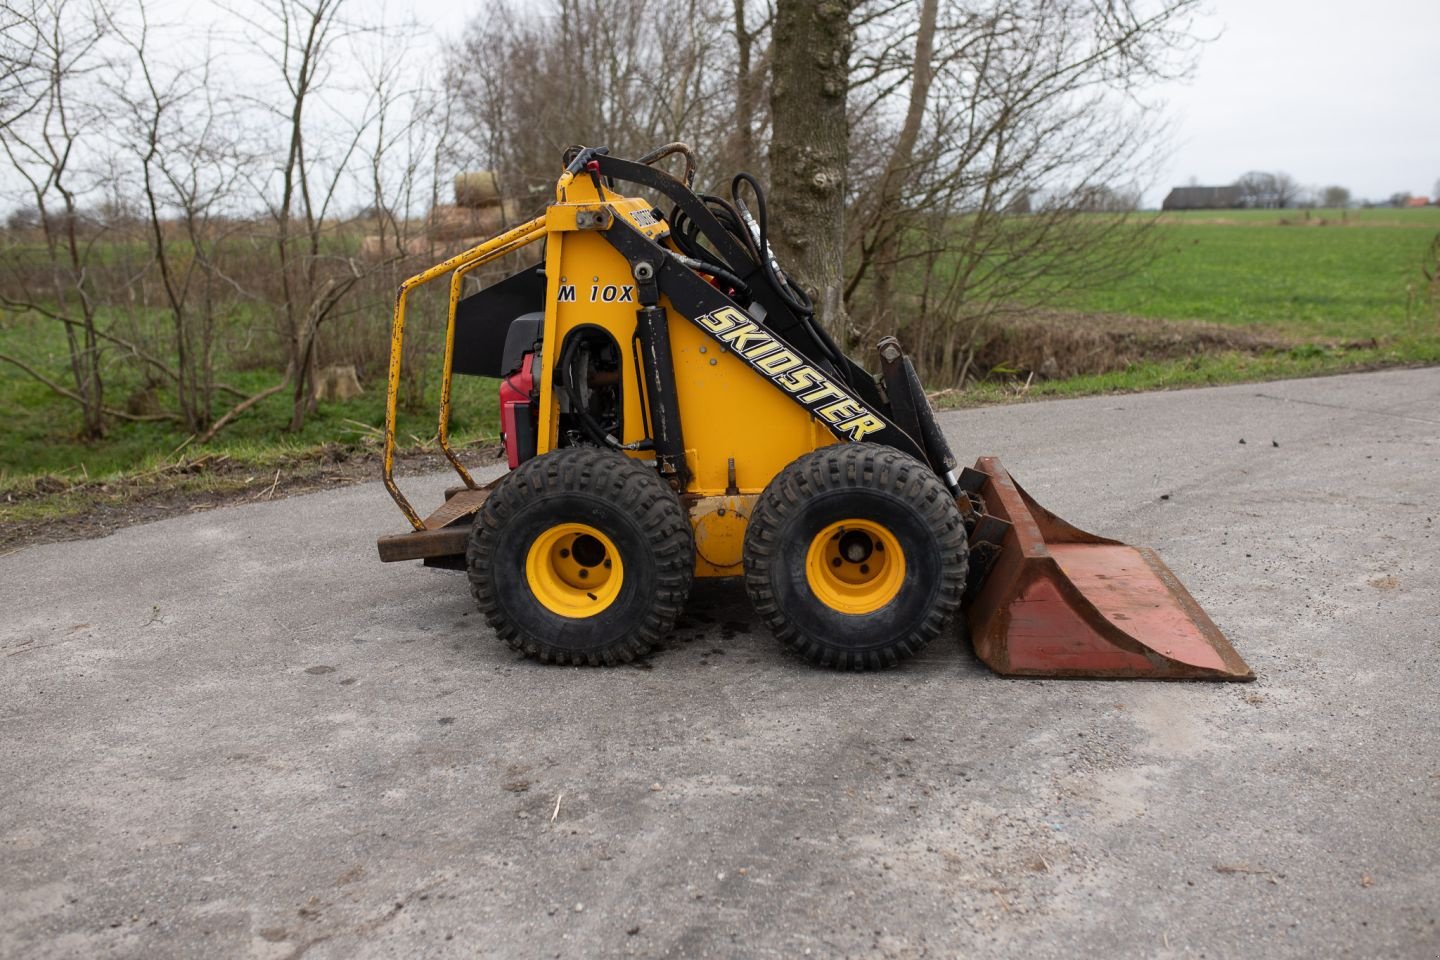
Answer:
(518, 405)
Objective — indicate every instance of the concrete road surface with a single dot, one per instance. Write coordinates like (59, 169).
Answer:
(236, 733)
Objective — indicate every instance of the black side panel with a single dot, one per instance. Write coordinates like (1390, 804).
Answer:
(525, 332)
(483, 319)
(931, 436)
(911, 409)
(902, 401)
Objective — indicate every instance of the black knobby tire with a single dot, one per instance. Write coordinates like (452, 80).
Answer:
(888, 491)
(621, 499)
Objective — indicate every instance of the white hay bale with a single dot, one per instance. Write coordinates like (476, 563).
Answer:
(477, 188)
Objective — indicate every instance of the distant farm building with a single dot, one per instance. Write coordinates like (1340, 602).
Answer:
(1419, 202)
(1203, 198)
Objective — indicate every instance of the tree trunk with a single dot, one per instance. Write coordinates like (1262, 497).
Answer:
(84, 358)
(745, 91)
(809, 149)
(890, 227)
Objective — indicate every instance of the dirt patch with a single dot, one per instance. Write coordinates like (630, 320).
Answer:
(49, 509)
(1053, 344)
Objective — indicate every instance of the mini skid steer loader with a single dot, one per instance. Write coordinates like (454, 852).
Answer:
(671, 409)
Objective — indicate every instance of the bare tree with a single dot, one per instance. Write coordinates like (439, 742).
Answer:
(396, 138)
(1336, 197)
(751, 70)
(1033, 121)
(627, 74)
(53, 104)
(809, 148)
(1271, 191)
(1257, 189)
(1288, 191)
(882, 212)
(21, 42)
(298, 38)
(404, 131)
(187, 145)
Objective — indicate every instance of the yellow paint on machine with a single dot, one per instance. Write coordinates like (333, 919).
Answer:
(727, 409)
(719, 526)
(790, 372)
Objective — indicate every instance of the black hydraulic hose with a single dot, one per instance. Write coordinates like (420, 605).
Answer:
(686, 231)
(588, 423)
(735, 223)
(705, 266)
(669, 149)
(794, 297)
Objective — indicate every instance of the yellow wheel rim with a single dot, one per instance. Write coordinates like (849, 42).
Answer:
(855, 566)
(574, 570)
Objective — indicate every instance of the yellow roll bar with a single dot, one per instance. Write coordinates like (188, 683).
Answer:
(458, 266)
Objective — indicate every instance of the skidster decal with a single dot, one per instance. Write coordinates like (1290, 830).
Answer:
(825, 399)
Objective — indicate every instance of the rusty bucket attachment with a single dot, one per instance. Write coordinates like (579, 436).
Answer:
(1050, 600)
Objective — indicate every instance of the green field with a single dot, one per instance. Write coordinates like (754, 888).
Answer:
(1351, 274)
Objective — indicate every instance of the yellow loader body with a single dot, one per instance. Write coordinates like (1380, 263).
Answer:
(671, 411)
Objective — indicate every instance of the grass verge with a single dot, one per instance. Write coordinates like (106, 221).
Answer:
(45, 508)
(1212, 369)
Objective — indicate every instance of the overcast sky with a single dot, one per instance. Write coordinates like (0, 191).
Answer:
(1329, 92)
